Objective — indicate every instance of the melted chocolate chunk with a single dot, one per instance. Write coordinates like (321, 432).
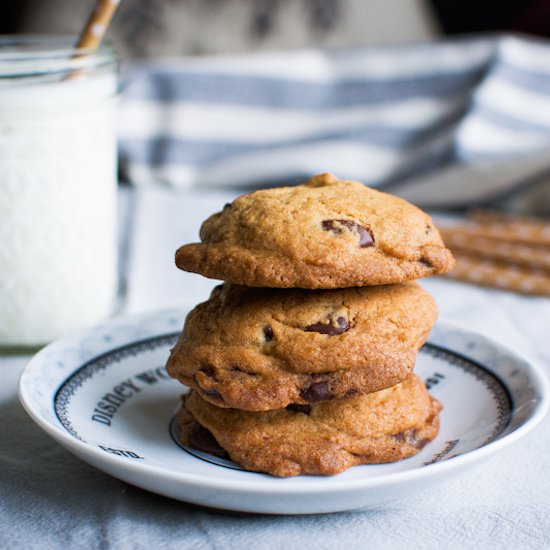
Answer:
(342, 325)
(318, 391)
(366, 238)
(203, 440)
(330, 225)
(399, 437)
(211, 393)
(208, 370)
(306, 409)
(268, 333)
(410, 437)
(421, 443)
(426, 263)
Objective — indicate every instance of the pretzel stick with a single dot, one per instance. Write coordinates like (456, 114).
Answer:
(504, 232)
(483, 215)
(529, 228)
(97, 24)
(527, 255)
(497, 274)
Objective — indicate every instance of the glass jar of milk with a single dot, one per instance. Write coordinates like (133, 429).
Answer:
(58, 235)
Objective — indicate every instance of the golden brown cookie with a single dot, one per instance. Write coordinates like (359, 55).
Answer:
(261, 349)
(323, 438)
(326, 233)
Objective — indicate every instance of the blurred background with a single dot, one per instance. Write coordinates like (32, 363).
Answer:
(443, 102)
(155, 28)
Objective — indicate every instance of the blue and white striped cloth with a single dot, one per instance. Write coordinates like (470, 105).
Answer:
(445, 124)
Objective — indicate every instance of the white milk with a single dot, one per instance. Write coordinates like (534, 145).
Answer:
(58, 239)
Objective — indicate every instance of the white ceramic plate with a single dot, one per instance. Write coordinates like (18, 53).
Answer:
(104, 395)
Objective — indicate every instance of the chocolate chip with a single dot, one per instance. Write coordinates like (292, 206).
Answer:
(421, 443)
(318, 391)
(366, 238)
(295, 407)
(330, 225)
(208, 370)
(268, 333)
(399, 437)
(342, 325)
(211, 393)
(202, 439)
(426, 263)
(410, 437)
(226, 205)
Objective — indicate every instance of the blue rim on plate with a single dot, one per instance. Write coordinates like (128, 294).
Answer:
(62, 379)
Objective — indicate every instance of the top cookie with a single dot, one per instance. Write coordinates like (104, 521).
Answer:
(326, 233)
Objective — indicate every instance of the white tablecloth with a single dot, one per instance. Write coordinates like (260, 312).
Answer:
(50, 499)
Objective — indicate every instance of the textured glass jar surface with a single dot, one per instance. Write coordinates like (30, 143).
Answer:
(58, 267)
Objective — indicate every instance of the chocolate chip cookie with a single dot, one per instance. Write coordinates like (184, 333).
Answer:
(322, 438)
(326, 233)
(261, 349)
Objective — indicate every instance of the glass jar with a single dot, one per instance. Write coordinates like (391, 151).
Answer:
(58, 235)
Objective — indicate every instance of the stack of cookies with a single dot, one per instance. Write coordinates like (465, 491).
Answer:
(301, 362)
